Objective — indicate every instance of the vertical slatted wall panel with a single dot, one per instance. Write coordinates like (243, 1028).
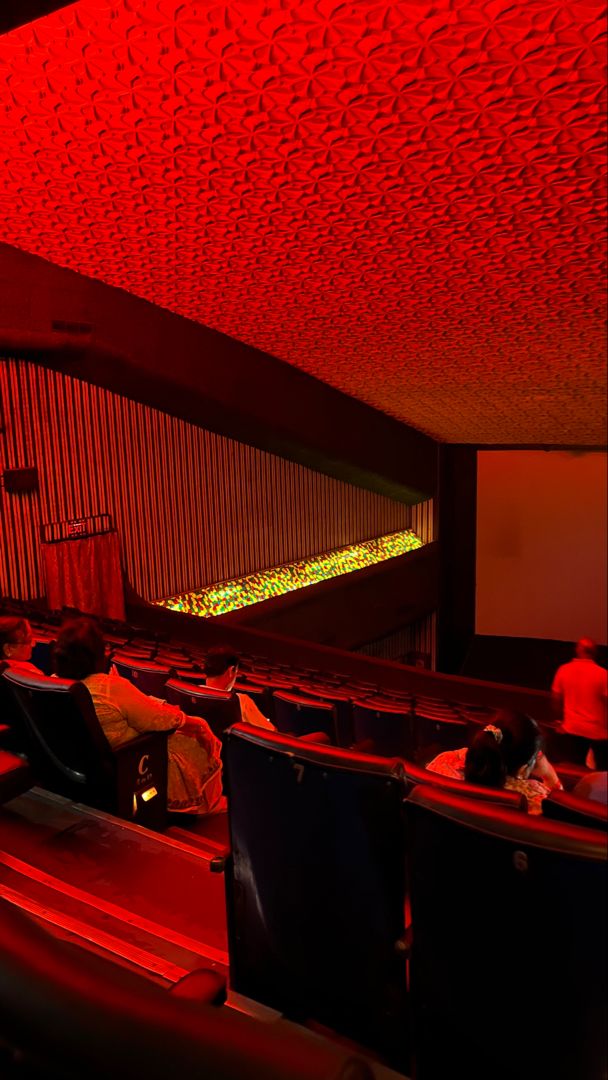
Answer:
(423, 521)
(191, 507)
(419, 636)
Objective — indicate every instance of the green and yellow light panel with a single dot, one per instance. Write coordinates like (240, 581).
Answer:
(227, 596)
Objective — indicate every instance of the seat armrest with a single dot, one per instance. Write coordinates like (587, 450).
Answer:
(141, 779)
(205, 986)
(16, 776)
(147, 740)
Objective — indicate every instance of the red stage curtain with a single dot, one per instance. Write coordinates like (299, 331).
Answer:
(85, 573)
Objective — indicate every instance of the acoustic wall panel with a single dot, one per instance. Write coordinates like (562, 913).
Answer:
(191, 507)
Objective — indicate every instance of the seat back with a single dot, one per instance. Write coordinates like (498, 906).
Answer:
(220, 708)
(150, 678)
(316, 890)
(60, 733)
(386, 729)
(58, 729)
(15, 776)
(562, 806)
(509, 940)
(436, 733)
(298, 715)
(416, 774)
(65, 1013)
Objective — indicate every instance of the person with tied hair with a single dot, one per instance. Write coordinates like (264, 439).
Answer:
(194, 774)
(505, 754)
(580, 696)
(16, 641)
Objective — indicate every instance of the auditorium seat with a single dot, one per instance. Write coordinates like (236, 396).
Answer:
(57, 728)
(561, 747)
(15, 776)
(147, 676)
(220, 708)
(316, 889)
(66, 1013)
(417, 774)
(342, 703)
(508, 975)
(298, 715)
(436, 727)
(383, 728)
(563, 806)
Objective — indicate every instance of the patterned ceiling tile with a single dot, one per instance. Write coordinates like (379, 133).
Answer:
(406, 200)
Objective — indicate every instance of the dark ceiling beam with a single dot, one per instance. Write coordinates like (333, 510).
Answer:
(15, 13)
(108, 337)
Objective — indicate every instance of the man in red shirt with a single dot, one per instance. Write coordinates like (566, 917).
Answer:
(580, 691)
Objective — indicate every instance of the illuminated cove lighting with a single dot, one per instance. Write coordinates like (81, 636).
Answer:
(227, 596)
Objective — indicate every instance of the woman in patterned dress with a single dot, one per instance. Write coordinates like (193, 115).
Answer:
(194, 775)
(505, 754)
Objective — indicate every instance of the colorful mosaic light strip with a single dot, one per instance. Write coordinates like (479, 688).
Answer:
(227, 596)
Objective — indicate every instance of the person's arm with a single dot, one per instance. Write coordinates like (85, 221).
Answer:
(543, 770)
(145, 713)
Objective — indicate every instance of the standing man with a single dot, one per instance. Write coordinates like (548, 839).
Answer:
(580, 693)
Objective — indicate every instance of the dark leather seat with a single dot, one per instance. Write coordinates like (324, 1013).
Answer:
(148, 677)
(316, 890)
(508, 974)
(563, 806)
(69, 1014)
(15, 776)
(299, 715)
(57, 728)
(386, 728)
(416, 774)
(436, 727)
(220, 708)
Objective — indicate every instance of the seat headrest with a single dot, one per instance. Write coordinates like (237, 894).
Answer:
(493, 820)
(30, 681)
(315, 753)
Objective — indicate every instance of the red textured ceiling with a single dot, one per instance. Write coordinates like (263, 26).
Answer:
(404, 199)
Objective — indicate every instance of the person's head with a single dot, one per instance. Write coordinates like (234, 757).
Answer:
(508, 746)
(585, 649)
(221, 667)
(80, 650)
(15, 639)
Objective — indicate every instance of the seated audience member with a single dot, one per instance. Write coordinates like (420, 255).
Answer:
(221, 670)
(194, 780)
(505, 754)
(593, 786)
(16, 642)
(580, 694)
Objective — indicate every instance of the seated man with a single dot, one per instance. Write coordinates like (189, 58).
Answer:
(221, 671)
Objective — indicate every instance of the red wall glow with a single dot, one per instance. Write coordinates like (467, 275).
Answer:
(406, 200)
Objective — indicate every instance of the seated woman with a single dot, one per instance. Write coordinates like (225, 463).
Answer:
(16, 642)
(194, 781)
(505, 754)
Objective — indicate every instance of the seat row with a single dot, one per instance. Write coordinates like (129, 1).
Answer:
(434, 923)
(54, 724)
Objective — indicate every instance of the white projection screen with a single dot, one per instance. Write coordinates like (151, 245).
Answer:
(541, 544)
